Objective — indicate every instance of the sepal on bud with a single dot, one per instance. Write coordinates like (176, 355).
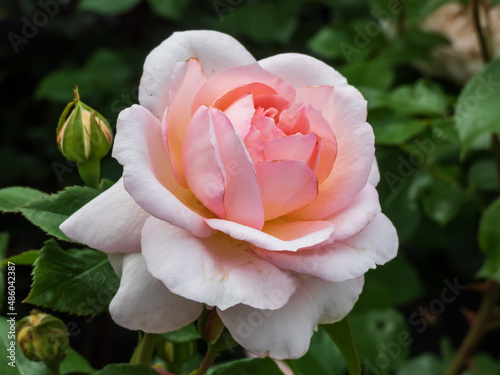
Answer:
(42, 338)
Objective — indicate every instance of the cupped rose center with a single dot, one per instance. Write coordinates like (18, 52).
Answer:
(285, 149)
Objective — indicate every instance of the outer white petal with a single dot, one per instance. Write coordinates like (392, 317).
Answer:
(286, 332)
(147, 171)
(374, 177)
(340, 261)
(302, 70)
(144, 303)
(214, 50)
(217, 270)
(112, 222)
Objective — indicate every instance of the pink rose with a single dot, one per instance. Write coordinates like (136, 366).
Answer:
(247, 186)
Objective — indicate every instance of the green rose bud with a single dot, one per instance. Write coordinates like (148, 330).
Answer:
(42, 338)
(85, 137)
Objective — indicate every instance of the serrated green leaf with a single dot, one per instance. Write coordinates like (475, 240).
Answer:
(50, 212)
(77, 281)
(185, 334)
(21, 365)
(169, 9)
(250, 366)
(58, 86)
(331, 42)
(24, 259)
(73, 362)
(477, 111)
(341, 334)
(107, 7)
(126, 369)
(489, 238)
(11, 198)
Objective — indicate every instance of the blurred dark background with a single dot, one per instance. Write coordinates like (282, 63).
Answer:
(435, 201)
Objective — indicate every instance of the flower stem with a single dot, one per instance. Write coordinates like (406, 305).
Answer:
(90, 172)
(480, 32)
(144, 351)
(477, 329)
(207, 362)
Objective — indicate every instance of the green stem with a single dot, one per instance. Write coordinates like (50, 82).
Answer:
(207, 362)
(479, 32)
(90, 172)
(143, 354)
(477, 330)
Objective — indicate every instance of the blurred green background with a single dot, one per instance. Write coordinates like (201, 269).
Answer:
(432, 191)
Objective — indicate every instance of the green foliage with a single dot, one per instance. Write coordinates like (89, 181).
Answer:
(322, 358)
(185, 334)
(382, 339)
(74, 362)
(489, 239)
(246, 367)
(169, 9)
(426, 363)
(77, 281)
(477, 111)
(395, 284)
(50, 212)
(126, 369)
(12, 198)
(24, 259)
(341, 334)
(107, 7)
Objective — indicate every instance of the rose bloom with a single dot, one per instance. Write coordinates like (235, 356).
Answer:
(248, 187)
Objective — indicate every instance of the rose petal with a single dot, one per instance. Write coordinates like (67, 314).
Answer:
(340, 261)
(240, 113)
(242, 195)
(355, 217)
(293, 147)
(218, 270)
(144, 303)
(112, 222)
(286, 185)
(215, 51)
(187, 79)
(278, 234)
(204, 174)
(302, 70)
(286, 332)
(374, 177)
(229, 79)
(345, 110)
(148, 174)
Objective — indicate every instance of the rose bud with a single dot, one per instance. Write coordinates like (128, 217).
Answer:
(84, 136)
(42, 337)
